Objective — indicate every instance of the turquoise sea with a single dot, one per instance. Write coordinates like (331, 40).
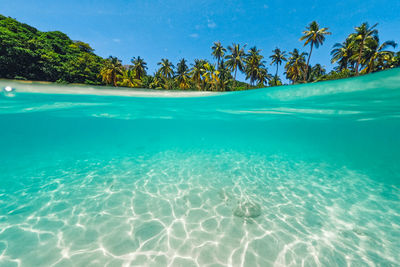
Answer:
(305, 175)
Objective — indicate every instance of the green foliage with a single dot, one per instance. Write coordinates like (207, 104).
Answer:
(236, 59)
(29, 54)
(334, 75)
(113, 72)
(362, 52)
(296, 66)
(277, 58)
(26, 53)
(275, 81)
(316, 72)
(315, 36)
(255, 69)
(139, 67)
(218, 51)
(363, 35)
(396, 60)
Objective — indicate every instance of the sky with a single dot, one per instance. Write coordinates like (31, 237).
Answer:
(187, 29)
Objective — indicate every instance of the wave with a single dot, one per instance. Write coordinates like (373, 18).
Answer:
(366, 97)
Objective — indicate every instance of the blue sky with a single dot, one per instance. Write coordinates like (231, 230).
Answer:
(175, 29)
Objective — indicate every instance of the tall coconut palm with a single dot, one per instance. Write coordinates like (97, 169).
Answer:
(296, 66)
(139, 67)
(314, 36)
(254, 64)
(363, 35)
(112, 67)
(166, 68)
(342, 54)
(182, 74)
(181, 67)
(210, 76)
(218, 51)
(197, 72)
(236, 59)
(224, 76)
(376, 56)
(278, 57)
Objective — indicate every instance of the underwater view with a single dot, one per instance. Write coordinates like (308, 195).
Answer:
(303, 175)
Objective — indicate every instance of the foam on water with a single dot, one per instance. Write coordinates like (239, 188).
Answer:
(259, 178)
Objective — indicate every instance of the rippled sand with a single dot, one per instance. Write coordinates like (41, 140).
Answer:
(304, 175)
(178, 209)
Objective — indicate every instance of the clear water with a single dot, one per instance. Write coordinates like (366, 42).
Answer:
(292, 176)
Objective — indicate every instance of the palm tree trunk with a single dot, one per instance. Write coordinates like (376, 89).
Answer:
(345, 66)
(218, 63)
(115, 79)
(234, 78)
(359, 57)
(308, 61)
(276, 74)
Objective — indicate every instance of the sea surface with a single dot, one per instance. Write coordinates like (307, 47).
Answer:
(305, 175)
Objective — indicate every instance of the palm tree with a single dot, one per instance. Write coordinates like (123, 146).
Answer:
(197, 72)
(275, 81)
(314, 36)
(236, 59)
(210, 76)
(128, 79)
(254, 64)
(169, 84)
(375, 55)
(218, 51)
(139, 67)
(278, 57)
(263, 77)
(157, 82)
(363, 34)
(181, 67)
(296, 66)
(147, 80)
(316, 72)
(395, 61)
(342, 54)
(182, 74)
(110, 70)
(224, 76)
(167, 68)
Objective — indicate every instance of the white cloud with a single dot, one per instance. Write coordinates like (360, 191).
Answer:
(194, 35)
(116, 40)
(211, 24)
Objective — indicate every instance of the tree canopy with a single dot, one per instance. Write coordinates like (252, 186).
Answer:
(29, 54)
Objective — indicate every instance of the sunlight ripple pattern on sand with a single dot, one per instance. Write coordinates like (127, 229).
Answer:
(295, 176)
(155, 212)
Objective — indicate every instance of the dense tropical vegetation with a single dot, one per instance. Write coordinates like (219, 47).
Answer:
(29, 54)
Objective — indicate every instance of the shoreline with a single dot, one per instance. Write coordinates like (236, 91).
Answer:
(100, 90)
